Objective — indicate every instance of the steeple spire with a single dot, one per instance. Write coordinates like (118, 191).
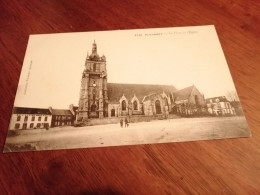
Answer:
(94, 55)
(94, 48)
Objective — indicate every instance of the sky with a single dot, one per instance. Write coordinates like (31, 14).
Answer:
(180, 56)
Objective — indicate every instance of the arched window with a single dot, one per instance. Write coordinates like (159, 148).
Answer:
(135, 105)
(158, 107)
(123, 105)
(196, 100)
(94, 92)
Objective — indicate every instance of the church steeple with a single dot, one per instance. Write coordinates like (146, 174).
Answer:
(94, 55)
(94, 48)
(93, 99)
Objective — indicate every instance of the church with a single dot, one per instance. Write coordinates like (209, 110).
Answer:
(100, 99)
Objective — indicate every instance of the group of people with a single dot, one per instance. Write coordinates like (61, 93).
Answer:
(122, 122)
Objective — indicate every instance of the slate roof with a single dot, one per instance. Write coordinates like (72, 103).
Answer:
(183, 94)
(221, 99)
(25, 110)
(116, 90)
(61, 112)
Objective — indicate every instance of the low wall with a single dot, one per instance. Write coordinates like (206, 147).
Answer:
(132, 119)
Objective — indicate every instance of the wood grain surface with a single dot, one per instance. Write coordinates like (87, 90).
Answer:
(230, 166)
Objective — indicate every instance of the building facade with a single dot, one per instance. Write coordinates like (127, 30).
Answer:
(138, 99)
(93, 101)
(61, 117)
(30, 118)
(219, 106)
(188, 101)
(99, 99)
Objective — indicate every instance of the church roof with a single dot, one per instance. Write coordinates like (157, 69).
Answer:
(183, 94)
(116, 90)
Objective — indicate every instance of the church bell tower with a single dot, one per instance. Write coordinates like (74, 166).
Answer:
(93, 98)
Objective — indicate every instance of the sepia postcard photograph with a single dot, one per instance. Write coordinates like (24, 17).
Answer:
(124, 87)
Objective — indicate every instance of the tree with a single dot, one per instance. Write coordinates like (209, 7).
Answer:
(232, 96)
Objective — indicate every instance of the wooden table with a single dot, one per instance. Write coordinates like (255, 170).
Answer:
(202, 167)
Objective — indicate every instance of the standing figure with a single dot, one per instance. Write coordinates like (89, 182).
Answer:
(126, 122)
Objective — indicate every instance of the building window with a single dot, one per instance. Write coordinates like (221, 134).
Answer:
(17, 126)
(228, 105)
(31, 126)
(94, 91)
(196, 100)
(45, 118)
(25, 126)
(39, 118)
(135, 105)
(93, 108)
(18, 118)
(33, 118)
(38, 125)
(94, 67)
(26, 118)
(158, 107)
(123, 105)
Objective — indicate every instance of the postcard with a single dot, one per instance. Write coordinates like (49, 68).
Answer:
(124, 87)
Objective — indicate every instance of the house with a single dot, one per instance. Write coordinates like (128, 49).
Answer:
(188, 101)
(30, 118)
(61, 117)
(219, 106)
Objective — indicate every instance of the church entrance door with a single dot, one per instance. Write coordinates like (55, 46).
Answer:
(93, 111)
(158, 107)
(113, 112)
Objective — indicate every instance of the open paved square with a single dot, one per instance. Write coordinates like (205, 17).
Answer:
(159, 131)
